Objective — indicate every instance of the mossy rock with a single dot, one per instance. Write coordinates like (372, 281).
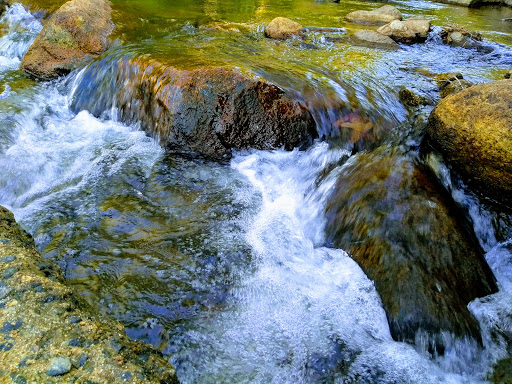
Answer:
(73, 36)
(404, 230)
(472, 129)
(48, 334)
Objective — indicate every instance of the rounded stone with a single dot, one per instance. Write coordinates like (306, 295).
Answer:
(282, 28)
(472, 129)
(59, 366)
(384, 14)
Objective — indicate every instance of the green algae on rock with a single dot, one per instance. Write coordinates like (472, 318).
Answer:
(48, 334)
(472, 129)
(73, 36)
(400, 225)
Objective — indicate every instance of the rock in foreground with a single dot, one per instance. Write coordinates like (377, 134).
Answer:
(473, 131)
(48, 335)
(401, 227)
(209, 111)
(282, 28)
(72, 37)
(385, 14)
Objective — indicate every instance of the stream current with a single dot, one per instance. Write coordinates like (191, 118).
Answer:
(223, 266)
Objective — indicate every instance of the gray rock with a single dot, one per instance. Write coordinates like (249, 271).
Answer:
(374, 39)
(59, 366)
(385, 14)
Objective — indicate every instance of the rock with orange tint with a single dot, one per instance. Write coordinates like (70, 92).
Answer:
(209, 111)
(72, 37)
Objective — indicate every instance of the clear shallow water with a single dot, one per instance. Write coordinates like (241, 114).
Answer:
(223, 266)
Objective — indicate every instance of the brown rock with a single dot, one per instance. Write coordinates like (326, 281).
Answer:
(385, 14)
(473, 131)
(407, 31)
(374, 39)
(403, 229)
(73, 36)
(282, 28)
(209, 111)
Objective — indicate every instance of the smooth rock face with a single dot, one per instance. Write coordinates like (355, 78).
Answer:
(73, 36)
(59, 366)
(473, 131)
(385, 14)
(402, 228)
(209, 111)
(407, 31)
(374, 39)
(282, 28)
(49, 334)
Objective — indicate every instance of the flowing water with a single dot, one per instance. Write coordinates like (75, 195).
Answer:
(224, 266)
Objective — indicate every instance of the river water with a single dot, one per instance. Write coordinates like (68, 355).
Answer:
(224, 266)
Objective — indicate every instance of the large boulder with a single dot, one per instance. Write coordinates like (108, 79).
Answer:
(72, 37)
(385, 14)
(407, 31)
(282, 28)
(473, 131)
(403, 229)
(49, 334)
(209, 111)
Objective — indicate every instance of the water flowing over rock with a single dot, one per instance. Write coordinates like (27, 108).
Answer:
(407, 31)
(73, 36)
(47, 332)
(402, 228)
(385, 14)
(282, 28)
(473, 131)
(209, 111)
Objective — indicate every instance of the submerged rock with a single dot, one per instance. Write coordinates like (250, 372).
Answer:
(209, 111)
(407, 31)
(374, 39)
(41, 342)
(282, 28)
(400, 225)
(473, 131)
(72, 37)
(385, 14)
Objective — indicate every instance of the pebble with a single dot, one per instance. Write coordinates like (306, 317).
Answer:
(7, 274)
(7, 259)
(59, 366)
(74, 319)
(75, 343)
(82, 360)
(6, 347)
(8, 327)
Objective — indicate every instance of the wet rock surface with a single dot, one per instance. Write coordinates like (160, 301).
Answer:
(408, 31)
(73, 36)
(385, 14)
(472, 129)
(208, 111)
(282, 28)
(48, 334)
(405, 232)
